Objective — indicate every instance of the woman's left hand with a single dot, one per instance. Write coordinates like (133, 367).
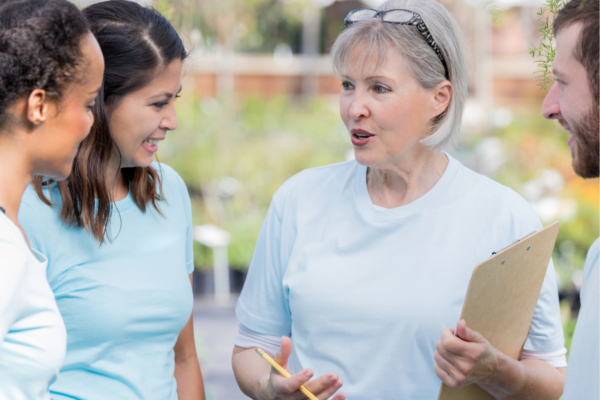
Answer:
(465, 358)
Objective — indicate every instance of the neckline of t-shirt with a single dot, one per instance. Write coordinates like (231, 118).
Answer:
(21, 242)
(121, 205)
(369, 210)
(125, 203)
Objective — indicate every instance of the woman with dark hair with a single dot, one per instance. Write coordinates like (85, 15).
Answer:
(118, 231)
(50, 73)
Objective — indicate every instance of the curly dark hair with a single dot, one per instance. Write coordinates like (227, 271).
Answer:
(39, 49)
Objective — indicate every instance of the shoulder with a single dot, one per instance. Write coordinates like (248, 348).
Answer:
(319, 181)
(490, 195)
(12, 244)
(32, 202)
(172, 183)
(592, 260)
(594, 250)
(166, 173)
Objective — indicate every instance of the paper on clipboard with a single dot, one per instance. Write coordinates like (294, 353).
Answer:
(501, 299)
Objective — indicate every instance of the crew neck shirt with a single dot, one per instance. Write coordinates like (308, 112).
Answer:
(124, 302)
(32, 333)
(366, 293)
(583, 374)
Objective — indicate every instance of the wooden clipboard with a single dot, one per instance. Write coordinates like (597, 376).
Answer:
(502, 297)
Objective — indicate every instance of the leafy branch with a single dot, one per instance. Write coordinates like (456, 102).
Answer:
(544, 53)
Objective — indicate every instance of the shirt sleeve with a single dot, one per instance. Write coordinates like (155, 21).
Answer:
(556, 358)
(546, 331)
(247, 339)
(263, 306)
(12, 276)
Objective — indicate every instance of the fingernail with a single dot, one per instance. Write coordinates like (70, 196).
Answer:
(308, 373)
(339, 384)
(333, 378)
(343, 397)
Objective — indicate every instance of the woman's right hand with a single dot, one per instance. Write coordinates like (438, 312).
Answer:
(281, 388)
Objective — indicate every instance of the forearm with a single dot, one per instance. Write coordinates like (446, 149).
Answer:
(189, 379)
(524, 380)
(187, 369)
(251, 372)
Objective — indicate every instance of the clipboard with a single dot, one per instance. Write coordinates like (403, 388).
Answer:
(501, 299)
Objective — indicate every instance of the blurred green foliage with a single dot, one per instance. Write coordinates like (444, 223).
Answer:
(241, 25)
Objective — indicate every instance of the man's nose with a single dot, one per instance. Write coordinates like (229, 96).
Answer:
(551, 106)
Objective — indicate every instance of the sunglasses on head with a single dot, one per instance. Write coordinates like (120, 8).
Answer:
(400, 17)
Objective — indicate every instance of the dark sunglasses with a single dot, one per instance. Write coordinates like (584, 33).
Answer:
(401, 17)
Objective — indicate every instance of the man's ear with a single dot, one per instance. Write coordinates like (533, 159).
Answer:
(442, 94)
(37, 107)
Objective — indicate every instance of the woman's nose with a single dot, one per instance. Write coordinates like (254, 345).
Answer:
(169, 121)
(551, 106)
(359, 108)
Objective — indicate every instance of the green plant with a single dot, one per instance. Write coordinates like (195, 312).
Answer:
(546, 50)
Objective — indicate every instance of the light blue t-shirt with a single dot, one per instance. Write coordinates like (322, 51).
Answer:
(583, 374)
(367, 293)
(123, 302)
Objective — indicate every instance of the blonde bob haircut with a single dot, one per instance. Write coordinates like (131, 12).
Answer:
(376, 37)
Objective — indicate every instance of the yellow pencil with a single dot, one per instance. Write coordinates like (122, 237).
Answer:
(284, 372)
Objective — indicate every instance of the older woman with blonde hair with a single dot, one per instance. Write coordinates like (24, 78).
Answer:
(361, 267)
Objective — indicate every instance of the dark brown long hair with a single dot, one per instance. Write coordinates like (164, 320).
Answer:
(137, 42)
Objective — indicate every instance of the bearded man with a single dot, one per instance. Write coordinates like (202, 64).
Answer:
(573, 101)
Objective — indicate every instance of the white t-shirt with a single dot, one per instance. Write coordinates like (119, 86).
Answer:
(583, 374)
(366, 293)
(33, 338)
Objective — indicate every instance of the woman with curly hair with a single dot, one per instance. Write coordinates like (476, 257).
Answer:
(50, 73)
(118, 231)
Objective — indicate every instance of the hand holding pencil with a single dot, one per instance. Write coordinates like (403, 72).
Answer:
(297, 387)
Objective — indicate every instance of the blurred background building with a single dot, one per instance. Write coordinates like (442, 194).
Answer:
(260, 103)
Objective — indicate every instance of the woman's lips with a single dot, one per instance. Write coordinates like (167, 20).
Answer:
(150, 149)
(361, 137)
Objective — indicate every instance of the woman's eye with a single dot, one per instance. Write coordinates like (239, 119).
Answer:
(161, 104)
(380, 89)
(91, 106)
(347, 86)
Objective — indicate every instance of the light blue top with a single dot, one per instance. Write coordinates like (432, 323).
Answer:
(123, 302)
(367, 293)
(583, 374)
(33, 339)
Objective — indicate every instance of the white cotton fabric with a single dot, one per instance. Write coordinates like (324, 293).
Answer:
(556, 358)
(367, 293)
(33, 338)
(248, 339)
(583, 374)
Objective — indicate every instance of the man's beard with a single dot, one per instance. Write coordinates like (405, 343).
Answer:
(586, 154)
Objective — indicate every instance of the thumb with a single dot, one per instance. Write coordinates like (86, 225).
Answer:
(283, 352)
(467, 334)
